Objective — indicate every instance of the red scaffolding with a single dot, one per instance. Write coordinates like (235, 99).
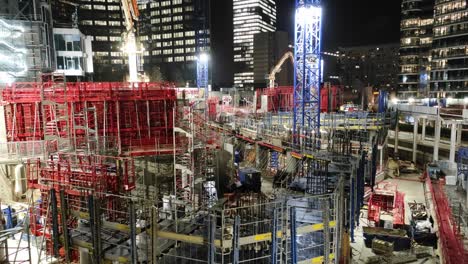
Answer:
(72, 178)
(452, 247)
(132, 118)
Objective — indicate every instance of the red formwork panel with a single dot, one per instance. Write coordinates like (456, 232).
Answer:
(134, 116)
(278, 98)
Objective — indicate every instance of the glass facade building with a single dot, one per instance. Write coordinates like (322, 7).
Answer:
(250, 17)
(449, 73)
(173, 33)
(415, 46)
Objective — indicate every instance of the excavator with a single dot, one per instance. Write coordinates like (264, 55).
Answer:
(277, 68)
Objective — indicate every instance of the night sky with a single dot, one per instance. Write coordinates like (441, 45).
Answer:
(349, 23)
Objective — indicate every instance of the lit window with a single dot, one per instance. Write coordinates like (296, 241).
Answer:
(117, 61)
(167, 51)
(169, 59)
(154, 13)
(156, 52)
(178, 51)
(189, 41)
(179, 43)
(100, 38)
(113, 7)
(166, 19)
(165, 3)
(101, 53)
(177, 10)
(178, 26)
(179, 58)
(85, 7)
(179, 35)
(166, 11)
(154, 4)
(189, 33)
(167, 27)
(190, 58)
(115, 38)
(177, 2)
(167, 35)
(114, 23)
(99, 7)
(178, 18)
(116, 54)
(86, 22)
(188, 8)
(155, 21)
(100, 23)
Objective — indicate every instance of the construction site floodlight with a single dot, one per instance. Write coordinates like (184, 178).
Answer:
(308, 13)
(204, 57)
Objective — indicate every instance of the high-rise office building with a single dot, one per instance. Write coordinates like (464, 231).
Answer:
(415, 46)
(250, 17)
(173, 34)
(373, 66)
(104, 21)
(449, 72)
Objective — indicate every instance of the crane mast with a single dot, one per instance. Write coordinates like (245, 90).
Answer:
(307, 71)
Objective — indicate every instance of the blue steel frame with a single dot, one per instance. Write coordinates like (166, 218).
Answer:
(307, 68)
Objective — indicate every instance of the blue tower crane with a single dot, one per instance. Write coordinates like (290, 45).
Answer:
(307, 69)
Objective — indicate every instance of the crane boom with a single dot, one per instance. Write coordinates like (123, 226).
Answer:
(130, 10)
(277, 67)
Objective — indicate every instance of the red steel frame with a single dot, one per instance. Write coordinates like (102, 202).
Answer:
(386, 198)
(279, 98)
(452, 247)
(109, 178)
(136, 117)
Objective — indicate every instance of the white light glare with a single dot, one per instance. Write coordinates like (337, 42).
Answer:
(204, 57)
(465, 100)
(411, 100)
(395, 100)
(310, 13)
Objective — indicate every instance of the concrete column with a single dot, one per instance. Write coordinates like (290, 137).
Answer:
(415, 139)
(381, 158)
(423, 132)
(436, 139)
(453, 142)
(396, 137)
(459, 134)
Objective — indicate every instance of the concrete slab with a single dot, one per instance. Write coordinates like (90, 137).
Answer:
(414, 191)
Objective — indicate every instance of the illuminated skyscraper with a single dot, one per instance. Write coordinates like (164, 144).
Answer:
(250, 17)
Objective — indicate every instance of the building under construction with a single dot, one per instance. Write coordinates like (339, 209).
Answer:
(147, 172)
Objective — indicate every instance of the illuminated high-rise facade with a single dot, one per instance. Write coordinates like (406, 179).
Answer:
(417, 17)
(174, 33)
(250, 17)
(449, 68)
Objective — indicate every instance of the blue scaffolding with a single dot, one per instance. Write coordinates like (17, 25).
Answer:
(202, 72)
(307, 68)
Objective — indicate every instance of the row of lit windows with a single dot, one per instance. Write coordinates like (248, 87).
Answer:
(451, 30)
(101, 7)
(450, 7)
(450, 52)
(451, 18)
